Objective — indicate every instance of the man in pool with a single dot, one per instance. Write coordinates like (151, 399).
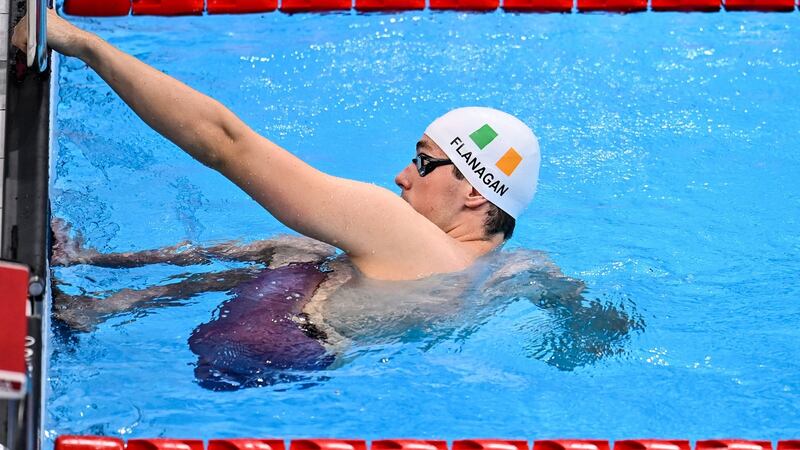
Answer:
(474, 172)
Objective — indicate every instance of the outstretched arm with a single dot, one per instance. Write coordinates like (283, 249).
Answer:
(383, 234)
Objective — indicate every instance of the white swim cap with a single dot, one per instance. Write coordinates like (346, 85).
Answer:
(496, 152)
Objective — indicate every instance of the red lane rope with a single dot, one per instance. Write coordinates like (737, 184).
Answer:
(67, 442)
(165, 7)
(187, 7)
(241, 6)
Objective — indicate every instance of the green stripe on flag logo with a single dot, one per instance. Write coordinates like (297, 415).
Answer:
(483, 136)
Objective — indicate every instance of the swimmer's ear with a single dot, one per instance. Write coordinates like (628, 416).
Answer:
(475, 200)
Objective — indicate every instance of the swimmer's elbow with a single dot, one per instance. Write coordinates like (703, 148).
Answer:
(223, 150)
(226, 143)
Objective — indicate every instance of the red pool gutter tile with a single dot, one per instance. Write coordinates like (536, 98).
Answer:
(571, 444)
(759, 5)
(95, 8)
(246, 444)
(164, 444)
(408, 444)
(465, 5)
(294, 6)
(240, 6)
(167, 7)
(652, 444)
(612, 5)
(69, 442)
(389, 5)
(491, 444)
(563, 6)
(732, 444)
(328, 444)
(686, 5)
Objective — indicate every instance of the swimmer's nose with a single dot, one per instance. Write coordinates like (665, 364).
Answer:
(402, 179)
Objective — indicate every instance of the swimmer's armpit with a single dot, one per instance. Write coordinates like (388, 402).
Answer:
(83, 312)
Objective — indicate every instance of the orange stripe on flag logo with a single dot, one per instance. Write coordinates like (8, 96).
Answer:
(509, 162)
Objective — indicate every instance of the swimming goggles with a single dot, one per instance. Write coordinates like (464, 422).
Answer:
(426, 163)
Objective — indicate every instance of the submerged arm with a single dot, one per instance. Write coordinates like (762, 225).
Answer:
(83, 312)
(586, 329)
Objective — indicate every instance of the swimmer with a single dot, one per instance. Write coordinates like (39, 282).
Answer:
(473, 172)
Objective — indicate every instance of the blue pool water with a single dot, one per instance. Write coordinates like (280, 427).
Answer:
(669, 185)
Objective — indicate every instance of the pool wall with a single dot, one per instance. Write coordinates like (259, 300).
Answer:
(4, 19)
(24, 155)
(4, 36)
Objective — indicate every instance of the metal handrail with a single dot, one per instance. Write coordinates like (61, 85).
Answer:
(37, 34)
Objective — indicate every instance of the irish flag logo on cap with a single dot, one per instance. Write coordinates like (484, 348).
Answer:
(496, 152)
(507, 163)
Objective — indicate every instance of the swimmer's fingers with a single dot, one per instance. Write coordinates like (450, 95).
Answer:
(66, 250)
(60, 229)
(62, 36)
(20, 37)
(74, 310)
(62, 244)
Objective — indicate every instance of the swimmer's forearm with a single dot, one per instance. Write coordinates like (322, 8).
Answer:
(194, 284)
(198, 124)
(127, 260)
(84, 312)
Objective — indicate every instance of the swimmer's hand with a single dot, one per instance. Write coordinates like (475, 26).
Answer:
(62, 36)
(68, 251)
